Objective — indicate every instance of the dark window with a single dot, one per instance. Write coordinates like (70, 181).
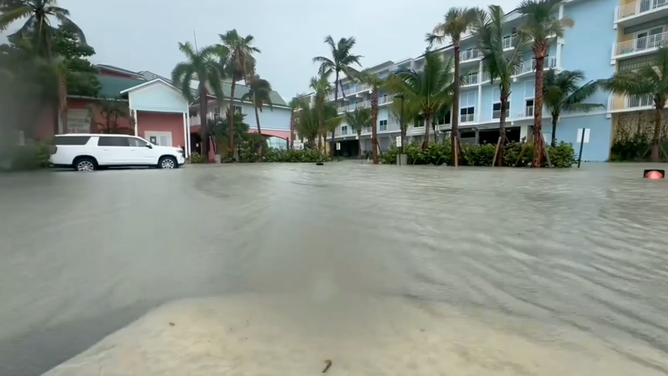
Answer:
(136, 142)
(113, 141)
(70, 140)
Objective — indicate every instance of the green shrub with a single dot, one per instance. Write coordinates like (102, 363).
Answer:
(284, 156)
(196, 157)
(28, 157)
(478, 155)
(634, 149)
(562, 155)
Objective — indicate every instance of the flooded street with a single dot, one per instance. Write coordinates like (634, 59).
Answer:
(495, 271)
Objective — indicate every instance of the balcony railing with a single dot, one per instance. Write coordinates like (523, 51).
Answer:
(509, 42)
(641, 44)
(385, 99)
(354, 106)
(639, 7)
(470, 79)
(530, 65)
(639, 101)
(468, 55)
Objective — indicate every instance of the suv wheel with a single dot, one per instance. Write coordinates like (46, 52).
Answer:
(167, 163)
(85, 164)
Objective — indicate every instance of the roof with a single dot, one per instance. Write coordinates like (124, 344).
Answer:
(111, 87)
(240, 90)
(146, 83)
(118, 70)
(93, 135)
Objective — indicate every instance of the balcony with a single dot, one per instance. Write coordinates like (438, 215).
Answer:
(354, 106)
(467, 118)
(385, 100)
(618, 103)
(640, 46)
(469, 55)
(640, 11)
(529, 66)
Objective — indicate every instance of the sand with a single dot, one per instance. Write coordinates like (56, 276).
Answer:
(294, 335)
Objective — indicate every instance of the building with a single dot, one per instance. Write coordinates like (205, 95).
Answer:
(587, 47)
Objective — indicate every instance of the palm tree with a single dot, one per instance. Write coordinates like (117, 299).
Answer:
(376, 83)
(241, 66)
(201, 66)
(38, 23)
(490, 30)
(331, 119)
(295, 104)
(562, 93)
(321, 87)
(357, 120)
(259, 94)
(456, 23)
(426, 90)
(308, 124)
(540, 24)
(648, 81)
(60, 69)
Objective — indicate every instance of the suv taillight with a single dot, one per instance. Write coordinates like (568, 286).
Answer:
(53, 149)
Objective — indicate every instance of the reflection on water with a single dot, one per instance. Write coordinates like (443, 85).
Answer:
(559, 264)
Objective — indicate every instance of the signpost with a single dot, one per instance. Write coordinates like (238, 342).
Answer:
(583, 137)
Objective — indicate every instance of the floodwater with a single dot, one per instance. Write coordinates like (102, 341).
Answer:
(382, 269)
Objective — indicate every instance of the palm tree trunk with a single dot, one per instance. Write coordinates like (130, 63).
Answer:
(291, 142)
(336, 99)
(374, 124)
(320, 119)
(259, 130)
(539, 143)
(204, 127)
(230, 114)
(654, 156)
(425, 142)
(62, 99)
(359, 143)
(502, 127)
(455, 107)
(555, 118)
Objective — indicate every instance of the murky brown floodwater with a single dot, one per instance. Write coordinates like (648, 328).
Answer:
(385, 270)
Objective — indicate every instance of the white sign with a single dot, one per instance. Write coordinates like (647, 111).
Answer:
(338, 146)
(398, 141)
(586, 135)
(78, 121)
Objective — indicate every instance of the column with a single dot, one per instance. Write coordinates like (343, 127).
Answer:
(134, 115)
(524, 132)
(478, 111)
(560, 41)
(188, 140)
(185, 133)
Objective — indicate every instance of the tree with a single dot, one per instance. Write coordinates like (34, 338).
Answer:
(321, 87)
(81, 75)
(111, 110)
(308, 125)
(259, 94)
(541, 23)
(38, 23)
(426, 90)
(331, 119)
(457, 22)
(562, 93)
(490, 29)
(200, 65)
(376, 83)
(341, 62)
(221, 130)
(241, 66)
(648, 81)
(357, 120)
(295, 104)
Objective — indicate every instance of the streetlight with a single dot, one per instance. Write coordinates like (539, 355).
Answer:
(401, 124)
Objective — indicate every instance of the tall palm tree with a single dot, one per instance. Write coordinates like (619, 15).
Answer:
(295, 104)
(341, 62)
(259, 93)
(489, 30)
(376, 83)
(321, 87)
(456, 23)
(331, 119)
(38, 24)
(200, 65)
(427, 90)
(308, 124)
(540, 24)
(357, 120)
(648, 81)
(562, 93)
(241, 66)
(61, 71)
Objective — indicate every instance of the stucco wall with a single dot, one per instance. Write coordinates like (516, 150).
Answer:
(161, 122)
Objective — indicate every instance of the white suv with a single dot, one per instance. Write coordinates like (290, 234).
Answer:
(88, 152)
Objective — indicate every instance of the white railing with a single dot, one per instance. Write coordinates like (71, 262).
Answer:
(470, 79)
(508, 42)
(385, 99)
(641, 44)
(471, 54)
(466, 118)
(639, 101)
(634, 9)
(354, 106)
(528, 66)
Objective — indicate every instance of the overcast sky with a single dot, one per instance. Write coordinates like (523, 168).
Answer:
(143, 34)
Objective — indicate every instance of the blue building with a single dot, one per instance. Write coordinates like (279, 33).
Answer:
(589, 46)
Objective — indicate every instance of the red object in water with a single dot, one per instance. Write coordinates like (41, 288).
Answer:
(654, 174)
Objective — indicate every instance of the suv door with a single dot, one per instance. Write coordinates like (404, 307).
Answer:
(143, 151)
(114, 150)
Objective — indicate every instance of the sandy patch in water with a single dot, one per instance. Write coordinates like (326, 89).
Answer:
(292, 335)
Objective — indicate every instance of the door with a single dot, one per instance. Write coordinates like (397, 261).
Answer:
(655, 38)
(112, 150)
(641, 41)
(140, 153)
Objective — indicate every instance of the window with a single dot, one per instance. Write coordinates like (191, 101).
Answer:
(383, 125)
(418, 123)
(496, 110)
(344, 129)
(70, 140)
(466, 114)
(113, 141)
(136, 142)
(442, 118)
(238, 110)
(528, 107)
(641, 101)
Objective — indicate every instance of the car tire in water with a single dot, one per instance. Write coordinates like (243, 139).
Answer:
(85, 164)
(167, 163)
